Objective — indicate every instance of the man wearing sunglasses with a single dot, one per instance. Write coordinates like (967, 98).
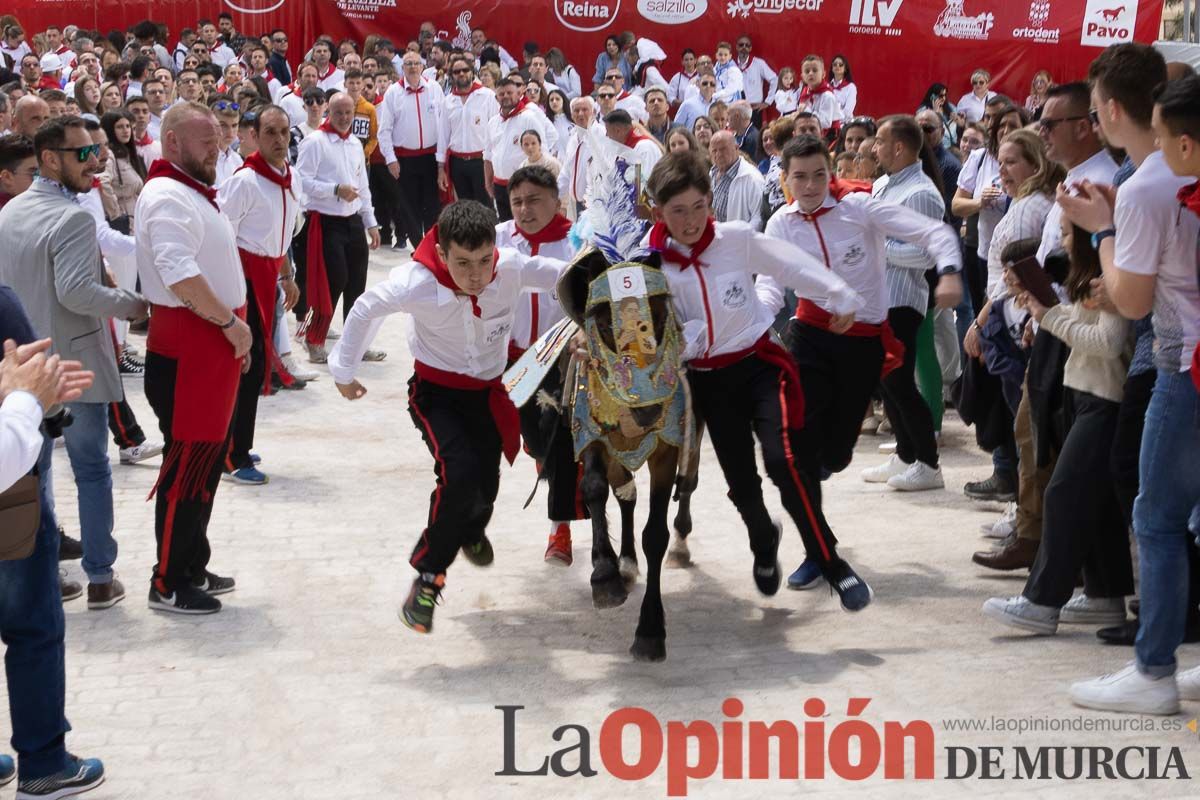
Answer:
(466, 113)
(278, 60)
(60, 280)
(291, 99)
(697, 105)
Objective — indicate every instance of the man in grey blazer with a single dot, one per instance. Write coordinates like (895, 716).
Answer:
(51, 259)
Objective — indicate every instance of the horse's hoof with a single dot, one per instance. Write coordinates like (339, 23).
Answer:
(604, 570)
(628, 569)
(609, 594)
(679, 554)
(648, 648)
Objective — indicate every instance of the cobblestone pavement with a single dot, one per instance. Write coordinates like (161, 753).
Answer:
(307, 685)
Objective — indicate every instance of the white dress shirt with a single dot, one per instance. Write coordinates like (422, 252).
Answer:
(827, 108)
(291, 101)
(325, 161)
(333, 78)
(504, 140)
(263, 213)
(755, 73)
(113, 243)
(635, 105)
(575, 179)
(722, 306)
(444, 331)
(677, 88)
(410, 118)
(972, 107)
(730, 82)
(1099, 169)
(851, 239)
(20, 438)
(221, 55)
(228, 160)
(847, 97)
(465, 119)
(543, 305)
(180, 235)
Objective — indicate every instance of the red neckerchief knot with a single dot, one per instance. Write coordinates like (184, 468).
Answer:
(659, 243)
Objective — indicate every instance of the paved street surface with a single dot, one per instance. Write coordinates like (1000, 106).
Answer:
(308, 686)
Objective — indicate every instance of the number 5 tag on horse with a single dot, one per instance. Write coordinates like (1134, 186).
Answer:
(626, 282)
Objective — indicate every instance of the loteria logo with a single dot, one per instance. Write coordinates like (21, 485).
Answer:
(672, 12)
(875, 17)
(953, 22)
(1039, 13)
(744, 8)
(1108, 22)
(587, 15)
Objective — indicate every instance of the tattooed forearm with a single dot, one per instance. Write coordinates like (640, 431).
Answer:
(192, 307)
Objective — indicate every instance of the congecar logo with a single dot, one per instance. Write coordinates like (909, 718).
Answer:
(587, 15)
(672, 12)
(1108, 22)
(744, 8)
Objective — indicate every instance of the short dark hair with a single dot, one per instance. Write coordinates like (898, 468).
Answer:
(14, 148)
(225, 15)
(803, 147)
(1020, 249)
(1130, 74)
(53, 95)
(654, 89)
(618, 117)
(537, 175)
(466, 223)
(315, 93)
(536, 134)
(998, 100)
(145, 30)
(135, 98)
(138, 67)
(687, 50)
(1179, 107)
(675, 173)
(354, 73)
(255, 119)
(54, 133)
(905, 129)
(1076, 94)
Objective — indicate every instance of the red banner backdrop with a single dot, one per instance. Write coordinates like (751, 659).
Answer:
(896, 48)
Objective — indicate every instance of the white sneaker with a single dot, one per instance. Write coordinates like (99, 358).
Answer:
(1188, 682)
(298, 371)
(919, 477)
(881, 473)
(141, 452)
(1128, 690)
(888, 447)
(1084, 610)
(1019, 612)
(1003, 527)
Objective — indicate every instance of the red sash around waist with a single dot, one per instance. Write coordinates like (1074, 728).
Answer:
(810, 313)
(504, 413)
(768, 350)
(405, 152)
(262, 273)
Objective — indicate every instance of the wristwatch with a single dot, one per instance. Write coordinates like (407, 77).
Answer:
(1100, 236)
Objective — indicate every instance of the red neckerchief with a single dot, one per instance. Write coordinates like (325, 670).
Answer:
(161, 168)
(427, 256)
(95, 183)
(467, 93)
(256, 162)
(222, 88)
(658, 243)
(624, 93)
(145, 141)
(742, 66)
(808, 93)
(62, 49)
(836, 84)
(332, 68)
(378, 99)
(517, 109)
(634, 137)
(328, 128)
(1190, 196)
(840, 188)
(410, 90)
(555, 231)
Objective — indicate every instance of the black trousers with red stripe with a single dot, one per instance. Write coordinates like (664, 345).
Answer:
(419, 187)
(459, 431)
(245, 415)
(741, 403)
(181, 526)
(124, 425)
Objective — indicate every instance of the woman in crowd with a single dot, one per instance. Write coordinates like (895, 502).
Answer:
(489, 75)
(110, 97)
(936, 100)
(558, 111)
(566, 77)
(125, 169)
(680, 138)
(844, 88)
(1042, 82)
(787, 94)
(610, 58)
(703, 129)
(853, 134)
(87, 95)
(535, 156)
(535, 90)
(972, 104)
(1082, 524)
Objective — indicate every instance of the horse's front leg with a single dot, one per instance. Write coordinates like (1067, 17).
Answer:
(650, 640)
(625, 490)
(608, 589)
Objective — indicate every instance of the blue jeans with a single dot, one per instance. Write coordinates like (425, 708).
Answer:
(87, 448)
(31, 625)
(1169, 470)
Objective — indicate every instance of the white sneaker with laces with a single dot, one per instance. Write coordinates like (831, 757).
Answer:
(298, 371)
(881, 473)
(1004, 526)
(1188, 682)
(919, 477)
(1084, 610)
(1019, 612)
(141, 452)
(1128, 690)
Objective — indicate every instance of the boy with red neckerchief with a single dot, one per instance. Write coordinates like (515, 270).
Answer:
(744, 383)
(817, 97)
(461, 293)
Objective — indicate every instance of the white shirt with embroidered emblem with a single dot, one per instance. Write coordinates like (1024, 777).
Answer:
(180, 235)
(755, 73)
(465, 121)
(263, 213)
(326, 160)
(549, 310)
(851, 239)
(722, 306)
(504, 139)
(410, 118)
(444, 331)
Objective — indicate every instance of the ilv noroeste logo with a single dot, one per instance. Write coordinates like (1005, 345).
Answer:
(853, 749)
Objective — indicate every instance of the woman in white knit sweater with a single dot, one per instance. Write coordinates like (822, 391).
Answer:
(1082, 524)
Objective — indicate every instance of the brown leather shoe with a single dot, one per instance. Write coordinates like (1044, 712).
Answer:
(105, 595)
(1014, 553)
(70, 589)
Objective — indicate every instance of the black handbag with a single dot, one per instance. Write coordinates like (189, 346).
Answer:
(122, 224)
(20, 516)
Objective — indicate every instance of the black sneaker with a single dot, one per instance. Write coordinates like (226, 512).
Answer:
(214, 584)
(998, 488)
(853, 590)
(79, 776)
(417, 611)
(768, 573)
(184, 600)
(480, 554)
(69, 549)
(131, 365)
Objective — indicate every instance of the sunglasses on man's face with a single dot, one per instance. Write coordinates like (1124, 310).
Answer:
(708, 83)
(978, 82)
(929, 128)
(462, 71)
(84, 153)
(280, 40)
(606, 95)
(312, 101)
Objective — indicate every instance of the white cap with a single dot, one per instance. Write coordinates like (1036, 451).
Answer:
(51, 62)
